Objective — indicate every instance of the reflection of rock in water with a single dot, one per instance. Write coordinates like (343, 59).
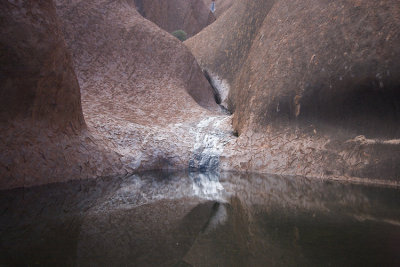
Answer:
(150, 235)
(201, 219)
(144, 220)
(219, 217)
(207, 185)
(225, 241)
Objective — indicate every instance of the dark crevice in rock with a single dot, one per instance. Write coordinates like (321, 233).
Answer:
(217, 95)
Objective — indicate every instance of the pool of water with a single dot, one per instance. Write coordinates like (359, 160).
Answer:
(200, 219)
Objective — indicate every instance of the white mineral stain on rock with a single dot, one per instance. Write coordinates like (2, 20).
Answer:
(195, 144)
(366, 141)
(211, 136)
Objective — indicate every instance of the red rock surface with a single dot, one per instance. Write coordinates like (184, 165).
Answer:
(43, 133)
(314, 85)
(190, 16)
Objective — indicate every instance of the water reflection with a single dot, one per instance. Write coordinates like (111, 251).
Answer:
(200, 219)
(207, 186)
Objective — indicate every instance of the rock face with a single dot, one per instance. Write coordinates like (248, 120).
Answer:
(314, 85)
(317, 98)
(43, 133)
(143, 93)
(316, 69)
(188, 15)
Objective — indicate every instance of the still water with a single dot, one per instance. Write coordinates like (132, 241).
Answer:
(199, 219)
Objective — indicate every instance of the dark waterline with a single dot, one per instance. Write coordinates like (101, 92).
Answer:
(181, 219)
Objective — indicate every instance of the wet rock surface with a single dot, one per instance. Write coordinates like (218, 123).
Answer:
(200, 219)
(318, 93)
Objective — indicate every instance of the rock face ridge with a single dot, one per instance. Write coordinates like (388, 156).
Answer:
(316, 92)
(188, 15)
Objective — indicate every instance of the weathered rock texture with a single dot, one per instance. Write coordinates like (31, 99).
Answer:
(143, 92)
(43, 133)
(221, 6)
(188, 15)
(314, 85)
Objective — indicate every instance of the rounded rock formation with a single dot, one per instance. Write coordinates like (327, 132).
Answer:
(38, 82)
(331, 62)
(43, 132)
